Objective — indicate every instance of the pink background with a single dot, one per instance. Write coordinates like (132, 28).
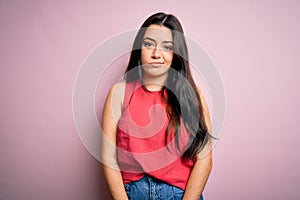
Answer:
(255, 46)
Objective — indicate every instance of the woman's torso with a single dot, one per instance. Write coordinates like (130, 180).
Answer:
(143, 145)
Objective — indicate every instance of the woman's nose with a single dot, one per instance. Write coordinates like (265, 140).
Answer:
(156, 52)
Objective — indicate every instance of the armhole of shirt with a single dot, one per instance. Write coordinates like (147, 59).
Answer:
(130, 88)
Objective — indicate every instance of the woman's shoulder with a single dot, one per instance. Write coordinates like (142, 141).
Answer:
(114, 99)
(122, 86)
(117, 91)
(119, 86)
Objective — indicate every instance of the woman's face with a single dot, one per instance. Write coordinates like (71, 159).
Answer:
(157, 51)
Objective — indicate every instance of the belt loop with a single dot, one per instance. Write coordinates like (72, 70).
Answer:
(149, 178)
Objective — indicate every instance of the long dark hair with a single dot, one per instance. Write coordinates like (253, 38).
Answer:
(183, 101)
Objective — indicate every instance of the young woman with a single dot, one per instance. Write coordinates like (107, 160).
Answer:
(156, 122)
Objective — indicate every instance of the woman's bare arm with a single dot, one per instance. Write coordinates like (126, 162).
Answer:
(198, 178)
(203, 164)
(110, 117)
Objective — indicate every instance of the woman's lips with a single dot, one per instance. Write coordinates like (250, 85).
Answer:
(156, 64)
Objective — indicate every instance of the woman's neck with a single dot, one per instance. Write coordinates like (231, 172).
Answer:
(154, 83)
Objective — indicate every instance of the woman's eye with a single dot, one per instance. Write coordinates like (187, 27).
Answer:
(168, 47)
(148, 44)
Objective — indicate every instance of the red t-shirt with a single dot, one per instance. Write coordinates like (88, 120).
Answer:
(142, 141)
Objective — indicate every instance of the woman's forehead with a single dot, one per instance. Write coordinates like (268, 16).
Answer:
(159, 33)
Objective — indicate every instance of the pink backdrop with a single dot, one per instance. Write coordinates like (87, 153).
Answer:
(255, 46)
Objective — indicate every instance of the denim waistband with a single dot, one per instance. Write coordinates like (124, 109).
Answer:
(149, 188)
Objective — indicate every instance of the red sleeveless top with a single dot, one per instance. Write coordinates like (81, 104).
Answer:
(144, 146)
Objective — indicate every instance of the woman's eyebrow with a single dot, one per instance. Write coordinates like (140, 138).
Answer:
(148, 38)
(168, 42)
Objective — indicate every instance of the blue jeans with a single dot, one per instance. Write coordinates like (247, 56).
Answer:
(148, 188)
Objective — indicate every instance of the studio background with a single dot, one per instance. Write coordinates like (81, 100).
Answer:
(254, 44)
